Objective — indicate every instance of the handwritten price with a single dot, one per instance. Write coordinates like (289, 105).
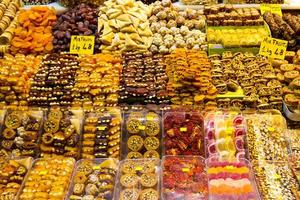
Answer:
(82, 44)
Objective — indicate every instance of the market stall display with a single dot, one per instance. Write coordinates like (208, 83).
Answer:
(124, 26)
(142, 134)
(97, 80)
(8, 23)
(173, 102)
(102, 134)
(138, 179)
(15, 74)
(286, 28)
(61, 133)
(176, 29)
(253, 74)
(184, 177)
(288, 73)
(33, 34)
(80, 20)
(225, 137)
(183, 133)
(226, 15)
(93, 179)
(265, 137)
(52, 84)
(13, 172)
(48, 179)
(190, 80)
(275, 179)
(21, 132)
(143, 79)
(231, 180)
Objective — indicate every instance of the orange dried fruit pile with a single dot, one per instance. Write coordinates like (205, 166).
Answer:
(34, 33)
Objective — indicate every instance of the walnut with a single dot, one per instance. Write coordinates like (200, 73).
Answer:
(180, 20)
(166, 3)
(161, 15)
(172, 23)
(154, 48)
(189, 24)
(156, 9)
(153, 18)
(184, 30)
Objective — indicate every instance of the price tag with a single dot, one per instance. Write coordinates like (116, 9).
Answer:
(82, 44)
(101, 128)
(185, 169)
(142, 127)
(273, 48)
(277, 176)
(138, 168)
(183, 129)
(273, 8)
(96, 167)
(150, 118)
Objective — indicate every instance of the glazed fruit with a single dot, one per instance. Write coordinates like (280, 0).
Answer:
(184, 178)
(231, 180)
(183, 133)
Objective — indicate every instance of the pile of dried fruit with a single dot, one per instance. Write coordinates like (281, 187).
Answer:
(81, 20)
(15, 74)
(8, 22)
(34, 33)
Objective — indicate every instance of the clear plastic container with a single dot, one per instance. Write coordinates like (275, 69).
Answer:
(102, 134)
(294, 162)
(265, 137)
(142, 134)
(184, 178)
(21, 132)
(17, 169)
(62, 133)
(93, 178)
(225, 136)
(293, 137)
(275, 180)
(183, 133)
(231, 180)
(48, 178)
(138, 179)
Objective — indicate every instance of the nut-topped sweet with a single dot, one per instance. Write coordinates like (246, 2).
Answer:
(94, 179)
(48, 179)
(143, 132)
(102, 134)
(21, 132)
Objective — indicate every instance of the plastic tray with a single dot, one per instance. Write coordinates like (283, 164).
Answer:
(14, 187)
(144, 176)
(265, 137)
(142, 135)
(56, 173)
(184, 178)
(100, 174)
(293, 137)
(227, 180)
(23, 135)
(102, 134)
(223, 131)
(275, 180)
(66, 137)
(183, 133)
